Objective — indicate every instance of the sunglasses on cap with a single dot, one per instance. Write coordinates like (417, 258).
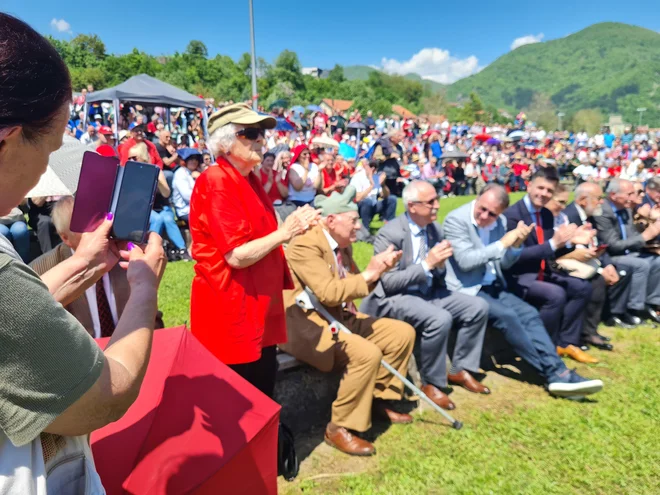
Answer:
(251, 133)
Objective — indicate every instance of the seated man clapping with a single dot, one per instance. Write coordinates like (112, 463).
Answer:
(322, 260)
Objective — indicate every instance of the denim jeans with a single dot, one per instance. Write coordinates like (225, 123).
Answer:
(369, 206)
(165, 218)
(17, 233)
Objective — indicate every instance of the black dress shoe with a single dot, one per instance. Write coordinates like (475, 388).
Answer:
(598, 344)
(648, 314)
(584, 347)
(617, 321)
(603, 337)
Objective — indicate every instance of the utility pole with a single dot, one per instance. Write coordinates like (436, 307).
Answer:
(641, 112)
(254, 60)
(559, 116)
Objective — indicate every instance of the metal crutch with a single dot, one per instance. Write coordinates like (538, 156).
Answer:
(307, 300)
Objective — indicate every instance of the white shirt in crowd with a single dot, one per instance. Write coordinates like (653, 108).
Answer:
(87, 139)
(182, 188)
(308, 191)
(585, 171)
(361, 182)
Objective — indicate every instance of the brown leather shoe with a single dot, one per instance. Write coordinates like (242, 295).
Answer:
(439, 397)
(467, 381)
(576, 353)
(381, 411)
(343, 440)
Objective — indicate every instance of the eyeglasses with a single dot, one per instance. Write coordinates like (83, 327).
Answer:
(561, 202)
(430, 203)
(251, 133)
(491, 214)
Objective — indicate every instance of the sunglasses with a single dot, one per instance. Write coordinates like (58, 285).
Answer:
(251, 133)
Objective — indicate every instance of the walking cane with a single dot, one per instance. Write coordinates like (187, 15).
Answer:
(307, 300)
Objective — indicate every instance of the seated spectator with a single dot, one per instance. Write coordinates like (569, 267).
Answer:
(272, 180)
(483, 249)
(490, 171)
(167, 153)
(372, 195)
(331, 178)
(138, 136)
(90, 137)
(39, 221)
(304, 177)
(183, 184)
(415, 291)
(14, 228)
(101, 306)
(560, 298)
(321, 260)
(610, 293)
(628, 248)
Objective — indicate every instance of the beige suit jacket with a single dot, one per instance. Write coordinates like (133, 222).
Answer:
(80, 308)
(313, 265)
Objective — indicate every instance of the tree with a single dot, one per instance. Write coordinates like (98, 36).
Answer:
(91, 46)
(435, 103)
(542, 111)
(588, 119)
(197, 49)
(336, 75)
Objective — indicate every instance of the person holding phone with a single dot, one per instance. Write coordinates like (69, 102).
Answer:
(56, 385)
(237, 309)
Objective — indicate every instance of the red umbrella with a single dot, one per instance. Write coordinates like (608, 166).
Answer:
(196, 427)
(482, 137)
(429, 133)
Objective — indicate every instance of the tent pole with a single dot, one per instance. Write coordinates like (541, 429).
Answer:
(85, 109)
(169, 118)
(205, 119)
(115, 110)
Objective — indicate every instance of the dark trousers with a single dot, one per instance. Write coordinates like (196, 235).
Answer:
(260, 373)
(369, 206)
(522, 327)
(605, 302)
(46, 233)
(561, 301)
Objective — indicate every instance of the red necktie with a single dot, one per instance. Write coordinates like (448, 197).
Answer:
(105, 315)
(541, 239)
(341, 271)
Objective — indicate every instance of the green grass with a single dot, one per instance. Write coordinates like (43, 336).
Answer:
(518, 440)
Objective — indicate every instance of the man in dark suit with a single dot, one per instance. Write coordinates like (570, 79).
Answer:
(415, 292)
(560, 299)
(628, 248)
(610, 292)
(101, 306)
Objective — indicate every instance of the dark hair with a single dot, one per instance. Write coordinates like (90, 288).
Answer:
(34, 80)
(269, 155)
(547, 173)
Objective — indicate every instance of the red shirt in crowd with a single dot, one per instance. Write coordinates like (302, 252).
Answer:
(274, 193)
(235, 313)
(151, 148)
(519, 168)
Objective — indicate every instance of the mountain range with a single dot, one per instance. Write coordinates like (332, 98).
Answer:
(612, 67)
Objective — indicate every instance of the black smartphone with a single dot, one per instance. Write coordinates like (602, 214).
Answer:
(133, 201)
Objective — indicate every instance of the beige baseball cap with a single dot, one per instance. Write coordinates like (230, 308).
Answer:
(239, 113)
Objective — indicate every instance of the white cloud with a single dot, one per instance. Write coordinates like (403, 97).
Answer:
(435, 64)
(60, 25)
(526, 40)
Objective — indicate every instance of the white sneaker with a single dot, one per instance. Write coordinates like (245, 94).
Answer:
(574, 385)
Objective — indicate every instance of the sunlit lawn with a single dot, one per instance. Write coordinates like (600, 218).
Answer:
(516, 441)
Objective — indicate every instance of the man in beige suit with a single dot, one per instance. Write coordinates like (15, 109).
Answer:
(321, 260)
(99, 309)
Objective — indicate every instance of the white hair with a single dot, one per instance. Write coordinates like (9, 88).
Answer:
(61, 214)
(615, 185)
(222, 139)
(410, 193)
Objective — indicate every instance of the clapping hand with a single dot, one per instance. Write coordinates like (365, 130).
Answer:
(584, 234)
(515, 237)
(440, 253)
(299, 222)
(564, 234)
(381, 263)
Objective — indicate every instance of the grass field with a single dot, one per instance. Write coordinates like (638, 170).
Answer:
(518, 440)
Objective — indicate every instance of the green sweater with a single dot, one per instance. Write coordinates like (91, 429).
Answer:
(47, 359)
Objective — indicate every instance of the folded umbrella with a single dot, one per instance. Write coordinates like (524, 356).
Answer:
(61, 176)
(196, 427)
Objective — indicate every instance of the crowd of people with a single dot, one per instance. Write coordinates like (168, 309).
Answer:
(272, 204)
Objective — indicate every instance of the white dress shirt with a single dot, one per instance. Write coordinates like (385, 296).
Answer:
(93, 306)
(416, 244)
(532, 211)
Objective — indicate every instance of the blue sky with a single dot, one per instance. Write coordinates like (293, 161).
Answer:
(441, 41)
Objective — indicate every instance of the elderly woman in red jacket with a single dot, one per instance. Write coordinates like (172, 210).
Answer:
(236, 304)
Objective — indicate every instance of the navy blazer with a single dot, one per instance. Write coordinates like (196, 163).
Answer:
(533, 252)
(574, 217)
